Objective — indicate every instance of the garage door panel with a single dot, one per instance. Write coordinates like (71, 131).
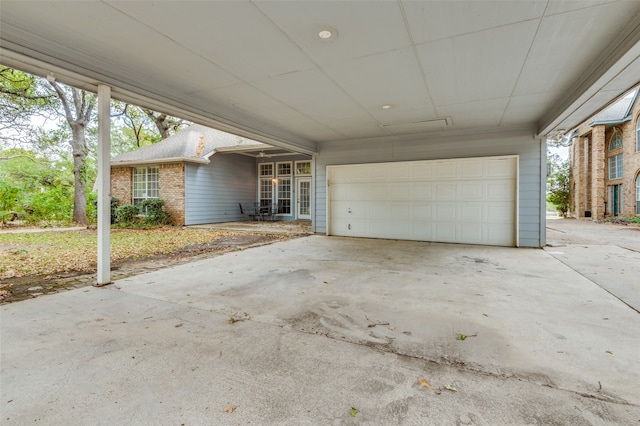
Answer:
(422, 212)
(499, 190)
(471, 190)
(471, 212)
(422, 191)
(445, 170)
(501, 168)
(422, 171)
(459, 201)
(393, 191)
(445, 191)
(471, 169)
(444, 211)
(499, 213)
(471, 233)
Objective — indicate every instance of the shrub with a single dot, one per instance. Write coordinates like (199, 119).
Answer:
(154, 214)
(126, 215)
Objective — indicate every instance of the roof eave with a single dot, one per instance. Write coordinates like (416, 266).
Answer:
(611, 122)
(159, 161)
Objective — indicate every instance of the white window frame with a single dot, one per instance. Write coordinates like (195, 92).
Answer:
(615, 166)
(638, 195)
(638, 134)
(616, 141)
(263, 172)
(284, 180)
(284, 173)
(298, 169)
(150, 190)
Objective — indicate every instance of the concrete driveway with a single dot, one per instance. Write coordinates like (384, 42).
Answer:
(325, 330)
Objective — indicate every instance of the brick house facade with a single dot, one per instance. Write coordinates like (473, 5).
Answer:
(605, 162)
(170, 188)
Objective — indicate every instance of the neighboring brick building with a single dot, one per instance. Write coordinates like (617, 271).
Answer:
(202, 174)
(605, 162)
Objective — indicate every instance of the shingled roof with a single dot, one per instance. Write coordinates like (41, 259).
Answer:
(617, 113)
(196, 144)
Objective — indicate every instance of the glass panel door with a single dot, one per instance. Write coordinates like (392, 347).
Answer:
(304, 198)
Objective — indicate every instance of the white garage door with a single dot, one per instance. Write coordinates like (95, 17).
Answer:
(471, 200)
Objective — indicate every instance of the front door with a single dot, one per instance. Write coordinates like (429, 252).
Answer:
(616, 200)
(303, 198)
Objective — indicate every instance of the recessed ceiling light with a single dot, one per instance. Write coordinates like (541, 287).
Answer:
(325, 34)
(385, 106)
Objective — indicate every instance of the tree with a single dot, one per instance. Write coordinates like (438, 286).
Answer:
(166, 124)
(28, 102)
(78, 108)
(23, 97)
(559, 184)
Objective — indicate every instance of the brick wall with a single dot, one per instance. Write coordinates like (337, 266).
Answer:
(171, 190)
(590, 179)
(631, 163)
(121, 184)
(597, 172)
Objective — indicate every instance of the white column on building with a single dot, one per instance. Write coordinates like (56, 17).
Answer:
(104, 185)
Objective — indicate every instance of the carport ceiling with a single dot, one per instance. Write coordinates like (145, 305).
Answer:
(261, 69)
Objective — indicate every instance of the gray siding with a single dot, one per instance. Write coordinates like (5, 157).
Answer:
(532, 169)
(213, 191)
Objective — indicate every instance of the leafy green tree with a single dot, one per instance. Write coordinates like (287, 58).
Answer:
(23, 97)
(30, 104)
(35, 188)
(559, 184)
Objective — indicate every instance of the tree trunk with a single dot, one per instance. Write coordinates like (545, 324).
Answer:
(79, 146)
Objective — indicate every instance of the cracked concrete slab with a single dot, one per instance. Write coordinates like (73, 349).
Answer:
(328, 324)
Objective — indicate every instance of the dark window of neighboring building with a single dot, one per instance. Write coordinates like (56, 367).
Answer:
(616, 141)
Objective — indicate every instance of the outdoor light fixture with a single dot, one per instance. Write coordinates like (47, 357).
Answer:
(274, 181)
(325, 34)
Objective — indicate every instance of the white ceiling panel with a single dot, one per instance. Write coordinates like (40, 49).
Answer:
(477, 66)
(312, 93)
(562, 6)
(356, 128)
(219, 31)
(475, 114)
(396, 76)
(430, 21)
(362, 28)
(520, 108)
(130, 51)
(561, 38)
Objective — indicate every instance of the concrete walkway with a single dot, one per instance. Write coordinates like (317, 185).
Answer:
(303, 332)
(606, 254)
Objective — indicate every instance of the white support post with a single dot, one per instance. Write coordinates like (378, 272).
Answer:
(104, 185)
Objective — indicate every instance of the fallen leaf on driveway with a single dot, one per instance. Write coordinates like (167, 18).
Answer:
(178, 325)
(451, 388)
(354, 411)
(230, 408)
(424, 383)
(609, 352)
(464, 336)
